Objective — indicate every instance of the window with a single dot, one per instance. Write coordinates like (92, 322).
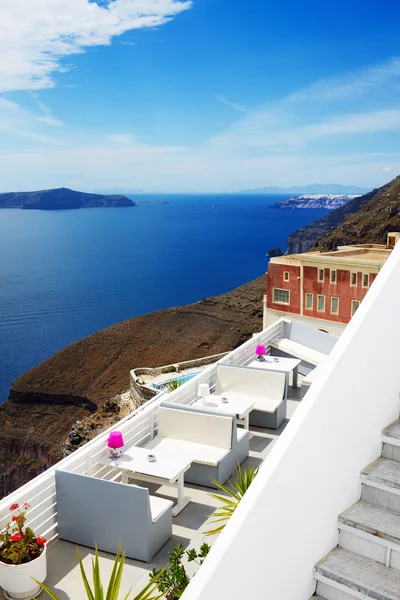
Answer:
(353, 278)
(320, 275)
(309, 301)
(334, 306)
(366, 280)
(354, 306)
(281, 296)
(333, 276)
(286, 276)
(321, 303)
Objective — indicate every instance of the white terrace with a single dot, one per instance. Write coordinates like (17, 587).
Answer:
(139, 429)
(323, 515)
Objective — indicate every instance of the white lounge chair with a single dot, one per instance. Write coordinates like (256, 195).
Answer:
(266, 388)
(211, 440)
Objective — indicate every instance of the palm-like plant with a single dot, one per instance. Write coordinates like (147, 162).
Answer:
(235, 491)
(174, 384)
(97, 593)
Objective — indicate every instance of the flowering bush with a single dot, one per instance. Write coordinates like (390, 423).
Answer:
(18, 544)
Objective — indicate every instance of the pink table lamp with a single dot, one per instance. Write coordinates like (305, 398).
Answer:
(115, 442)
(260, 352)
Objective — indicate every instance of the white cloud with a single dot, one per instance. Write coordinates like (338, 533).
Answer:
(18, 123)
(371, 80)
(298, 139)
(35, 35)
(356, 103)
(224, 100)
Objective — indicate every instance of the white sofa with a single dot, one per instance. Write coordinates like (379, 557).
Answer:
(309, 345)
(265, 388)
(211, 441)
(96, 512)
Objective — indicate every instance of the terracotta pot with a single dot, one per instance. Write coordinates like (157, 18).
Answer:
(17, 582)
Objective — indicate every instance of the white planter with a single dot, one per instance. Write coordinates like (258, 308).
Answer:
(17, 582)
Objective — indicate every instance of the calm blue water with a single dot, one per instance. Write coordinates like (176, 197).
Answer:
(65, 275)
(182, 378)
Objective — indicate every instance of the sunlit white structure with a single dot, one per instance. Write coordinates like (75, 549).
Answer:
(313, 469)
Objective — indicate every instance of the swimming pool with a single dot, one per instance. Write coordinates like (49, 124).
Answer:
(161, 385)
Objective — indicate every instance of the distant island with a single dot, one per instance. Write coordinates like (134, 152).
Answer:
(328, 201)
(62, 199)
(314, 188)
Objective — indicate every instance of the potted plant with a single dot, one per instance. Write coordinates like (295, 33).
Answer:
(22, 556)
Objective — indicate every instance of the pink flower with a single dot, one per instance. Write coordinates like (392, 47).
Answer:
(26, 505)
(14, 506)
(17, 537)
(40, 540)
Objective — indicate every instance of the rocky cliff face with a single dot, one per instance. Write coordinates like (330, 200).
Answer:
(371, 223)
(61, 199)
(77, 383)
(304, 239)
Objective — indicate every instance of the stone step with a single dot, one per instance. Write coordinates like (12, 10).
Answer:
(393, 431)
(344, 574)
(381, 484)
(372, 531)
(374, 520)
(391, 441)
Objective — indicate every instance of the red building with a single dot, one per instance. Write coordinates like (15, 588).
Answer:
(323, 289)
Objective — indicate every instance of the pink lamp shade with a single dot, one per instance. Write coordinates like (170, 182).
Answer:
(115, 440)
(260, 350)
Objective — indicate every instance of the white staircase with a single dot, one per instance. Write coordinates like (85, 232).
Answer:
(366, 562)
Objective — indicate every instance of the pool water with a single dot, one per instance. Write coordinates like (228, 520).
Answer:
(161, 385)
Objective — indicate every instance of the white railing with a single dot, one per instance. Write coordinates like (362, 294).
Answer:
(287, 521)
(137, 428)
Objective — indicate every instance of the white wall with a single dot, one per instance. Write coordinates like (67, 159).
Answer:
(272, 316)
(288, 519)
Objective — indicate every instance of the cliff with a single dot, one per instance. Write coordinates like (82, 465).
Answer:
(371, 223)
(61, 199)
(304, 239)
(78, 381)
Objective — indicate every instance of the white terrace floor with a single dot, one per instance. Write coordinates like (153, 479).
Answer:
(187, 529)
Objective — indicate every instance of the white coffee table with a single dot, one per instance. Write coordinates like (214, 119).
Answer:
(279, 364)
(240, 406)
(165, 470)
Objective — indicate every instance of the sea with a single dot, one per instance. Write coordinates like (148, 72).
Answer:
(67, 274)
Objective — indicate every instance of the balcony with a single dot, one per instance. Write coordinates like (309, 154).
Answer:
(139, 429)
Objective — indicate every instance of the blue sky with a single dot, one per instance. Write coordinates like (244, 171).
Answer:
(201, 95)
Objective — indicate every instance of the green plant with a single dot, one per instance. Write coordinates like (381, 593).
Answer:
(174, 384)
(97, 593)
(173, 580)
(235, 492)
(19, 544)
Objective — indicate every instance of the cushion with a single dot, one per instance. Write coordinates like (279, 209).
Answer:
(262, 403)
(195, 427)
(158, 506)
(200, 453)
(253, 384)
(300, 351)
